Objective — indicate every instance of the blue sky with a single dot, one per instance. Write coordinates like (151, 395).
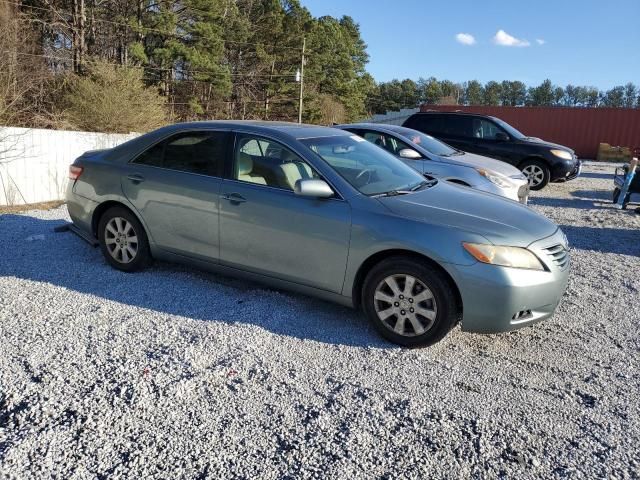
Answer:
(583, 42)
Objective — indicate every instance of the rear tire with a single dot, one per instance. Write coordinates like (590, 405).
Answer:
(537, 172)
(409, 302)
(123, 240)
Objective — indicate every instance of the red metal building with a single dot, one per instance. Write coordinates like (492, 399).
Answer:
(581, 129)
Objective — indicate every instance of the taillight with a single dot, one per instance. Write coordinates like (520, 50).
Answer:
(75, 172)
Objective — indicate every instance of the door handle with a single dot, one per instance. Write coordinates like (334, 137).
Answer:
(234, 198)
(135, 178)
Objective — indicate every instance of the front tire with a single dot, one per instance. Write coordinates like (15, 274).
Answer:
(409, 302)
(123, 240)
(537, 172)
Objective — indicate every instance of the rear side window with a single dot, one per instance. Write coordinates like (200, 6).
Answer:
(456, 126)
(426, 123)
(193, 152)
(441, 125)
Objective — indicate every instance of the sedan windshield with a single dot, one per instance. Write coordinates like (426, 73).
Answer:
(368, 168)
(430, 144)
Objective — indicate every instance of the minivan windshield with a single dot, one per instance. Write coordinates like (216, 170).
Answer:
(510, 130)
(368, 168)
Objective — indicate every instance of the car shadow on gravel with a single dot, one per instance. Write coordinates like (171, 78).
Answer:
(607, 240)
(34, 252)
(584, 199)
(595, 175)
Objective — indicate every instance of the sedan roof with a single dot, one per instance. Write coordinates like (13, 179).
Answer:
(295, 130)
(381, 127)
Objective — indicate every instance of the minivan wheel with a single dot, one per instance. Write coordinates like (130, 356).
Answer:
(123, 241)
(409, 302)
(537, 172)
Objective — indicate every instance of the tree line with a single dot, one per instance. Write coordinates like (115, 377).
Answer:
(131, 65)
(123, 65)
(407, 93)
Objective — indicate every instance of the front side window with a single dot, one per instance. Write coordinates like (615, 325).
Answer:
(369, 169)
(266, 162)
(193, 152)
(485, 129)
(389, 143)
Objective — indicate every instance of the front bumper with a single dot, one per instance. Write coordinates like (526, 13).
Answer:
(518, 192)
(566, 171)
(500, 299)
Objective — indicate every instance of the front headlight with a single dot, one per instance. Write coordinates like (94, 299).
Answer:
(495, 178)
(515, 257)
(562, 154)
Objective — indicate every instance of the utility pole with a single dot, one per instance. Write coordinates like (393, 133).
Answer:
(304, 42)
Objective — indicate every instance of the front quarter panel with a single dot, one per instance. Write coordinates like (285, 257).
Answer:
(375, 230)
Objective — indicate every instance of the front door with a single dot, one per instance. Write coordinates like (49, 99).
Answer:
(175, 187)
(266, 228)
(486, 143)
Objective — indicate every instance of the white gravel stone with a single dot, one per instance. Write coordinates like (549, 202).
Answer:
(174, 373)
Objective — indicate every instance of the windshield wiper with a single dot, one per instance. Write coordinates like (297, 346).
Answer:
(456, 153)
(395, 193)
(391, 193)
(424, 183)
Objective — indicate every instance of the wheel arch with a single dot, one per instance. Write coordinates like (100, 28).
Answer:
(537, 158)
(103, 207)
(377, 257)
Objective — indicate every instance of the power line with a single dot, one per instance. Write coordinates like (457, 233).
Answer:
(150, 29)
(165, 69)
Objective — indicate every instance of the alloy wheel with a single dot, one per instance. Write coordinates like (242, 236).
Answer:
(535, 174)
(405, 305)
(121, 240)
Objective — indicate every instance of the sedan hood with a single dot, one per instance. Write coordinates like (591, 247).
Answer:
(501, 221)
(478, 161)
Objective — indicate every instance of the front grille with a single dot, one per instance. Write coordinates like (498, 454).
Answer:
(558, 255)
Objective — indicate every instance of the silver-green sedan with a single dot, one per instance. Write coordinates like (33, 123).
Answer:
(322, 212)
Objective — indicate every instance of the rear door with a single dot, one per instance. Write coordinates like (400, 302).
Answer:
(453, 129)
(174, 185)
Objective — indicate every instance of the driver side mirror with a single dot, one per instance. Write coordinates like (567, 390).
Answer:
(313, 188)
(409, 153)
(502, 137)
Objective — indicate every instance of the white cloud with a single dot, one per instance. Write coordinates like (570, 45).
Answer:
(540, 41)
(465, 39)
(502, 38)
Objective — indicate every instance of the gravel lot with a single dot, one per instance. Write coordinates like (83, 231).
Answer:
(172, 373)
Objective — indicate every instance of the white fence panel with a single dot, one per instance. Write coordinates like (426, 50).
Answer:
(34, 163)
(393, 118)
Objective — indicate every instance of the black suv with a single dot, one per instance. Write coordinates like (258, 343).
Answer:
(541, 161)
